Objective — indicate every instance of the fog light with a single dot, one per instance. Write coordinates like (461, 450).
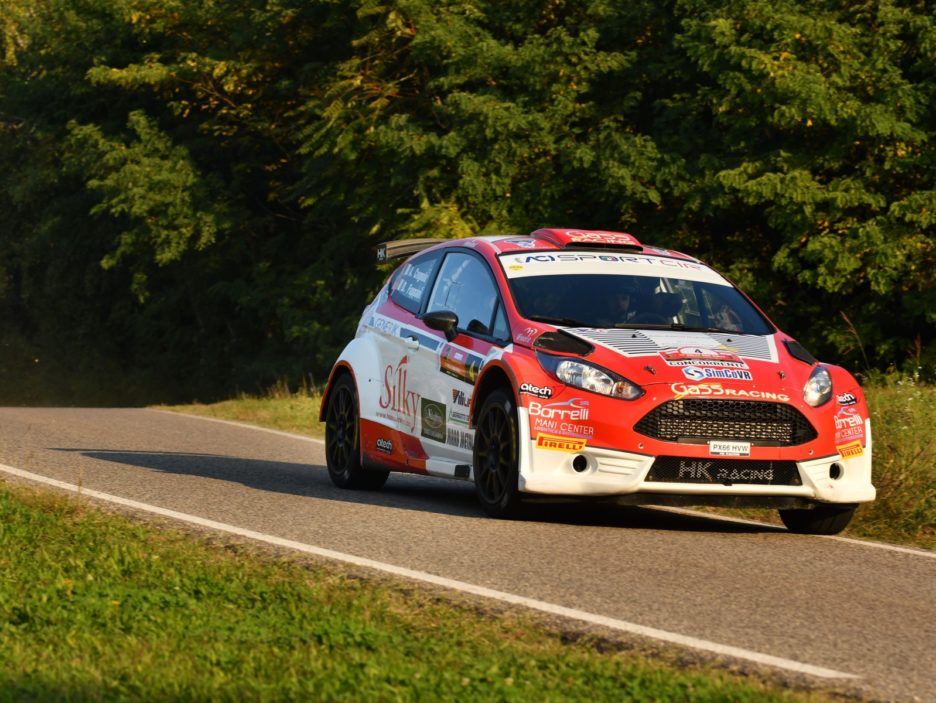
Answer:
(580, 463)
(835, 472)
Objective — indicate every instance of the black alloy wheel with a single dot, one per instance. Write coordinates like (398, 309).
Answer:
(343, 440)
(496, 456)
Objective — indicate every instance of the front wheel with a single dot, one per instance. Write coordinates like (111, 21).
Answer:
(343, 440)
(821, 520)
(497, 456)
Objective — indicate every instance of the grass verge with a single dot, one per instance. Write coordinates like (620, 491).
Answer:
(96, 607)
(903, 415)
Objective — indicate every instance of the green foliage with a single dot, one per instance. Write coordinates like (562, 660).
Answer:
(193, 190)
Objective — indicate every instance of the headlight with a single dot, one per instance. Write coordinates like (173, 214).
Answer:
(588, 377)
(818, 388)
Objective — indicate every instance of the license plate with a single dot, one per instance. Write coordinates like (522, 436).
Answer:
(721, 448)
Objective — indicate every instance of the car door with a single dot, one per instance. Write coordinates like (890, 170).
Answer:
(406, 353)
(465, 286)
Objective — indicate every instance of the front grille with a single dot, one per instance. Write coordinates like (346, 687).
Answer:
(676, 469)
(702, 419)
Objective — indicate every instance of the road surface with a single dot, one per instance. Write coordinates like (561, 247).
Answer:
(860, 617)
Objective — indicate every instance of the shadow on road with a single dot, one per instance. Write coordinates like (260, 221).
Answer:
(402, 491)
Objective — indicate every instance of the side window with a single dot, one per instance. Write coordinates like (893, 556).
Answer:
(465, 287)
(501, 327)
(410, 280)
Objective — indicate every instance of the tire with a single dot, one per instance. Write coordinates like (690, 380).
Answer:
(496, 456)
(821, 520)
(343, 440)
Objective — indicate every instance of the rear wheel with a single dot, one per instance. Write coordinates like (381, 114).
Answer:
(821, 520)
(343, 440)
(497, 456)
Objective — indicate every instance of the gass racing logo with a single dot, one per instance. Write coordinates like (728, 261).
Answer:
(717, 390)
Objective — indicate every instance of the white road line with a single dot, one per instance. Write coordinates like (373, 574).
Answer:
(835, 538)
(552, 609)
(711, 516)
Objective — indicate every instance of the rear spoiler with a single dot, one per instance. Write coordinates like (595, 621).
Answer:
(404, 247)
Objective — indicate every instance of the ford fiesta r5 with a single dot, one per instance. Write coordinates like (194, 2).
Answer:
(584, 364)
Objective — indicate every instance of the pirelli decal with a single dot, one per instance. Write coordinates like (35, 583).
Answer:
(558, 443)
(850, 450)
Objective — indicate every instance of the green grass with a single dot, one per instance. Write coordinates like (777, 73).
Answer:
(903, 414)
(96, 607)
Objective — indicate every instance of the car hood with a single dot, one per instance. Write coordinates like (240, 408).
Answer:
(671, 356)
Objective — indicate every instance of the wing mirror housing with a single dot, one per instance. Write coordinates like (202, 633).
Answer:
(443, 320)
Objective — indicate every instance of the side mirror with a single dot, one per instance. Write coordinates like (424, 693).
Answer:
(443, 320)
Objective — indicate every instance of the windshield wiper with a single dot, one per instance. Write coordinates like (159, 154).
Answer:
(563, 321)
(674, 326)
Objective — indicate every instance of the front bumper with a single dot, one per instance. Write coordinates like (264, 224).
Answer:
(573, 470)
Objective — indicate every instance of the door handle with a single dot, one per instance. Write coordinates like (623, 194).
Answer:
(412, 343)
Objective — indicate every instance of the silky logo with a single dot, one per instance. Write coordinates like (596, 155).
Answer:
(396, 397)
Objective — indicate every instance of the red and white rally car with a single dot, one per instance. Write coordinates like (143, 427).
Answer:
(583, 363)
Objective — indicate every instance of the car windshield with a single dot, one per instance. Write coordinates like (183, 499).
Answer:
(636, 301)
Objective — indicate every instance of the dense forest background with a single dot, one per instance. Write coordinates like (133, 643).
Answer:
(191, 191)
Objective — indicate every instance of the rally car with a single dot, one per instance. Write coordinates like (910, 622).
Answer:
(584, 364)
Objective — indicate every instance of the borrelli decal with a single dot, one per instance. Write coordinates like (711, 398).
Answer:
(716, 390)
(568, 418)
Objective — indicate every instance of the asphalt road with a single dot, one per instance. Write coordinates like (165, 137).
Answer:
(844, 606)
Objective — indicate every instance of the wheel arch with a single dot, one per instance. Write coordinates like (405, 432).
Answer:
(495, 376)
(361, 359)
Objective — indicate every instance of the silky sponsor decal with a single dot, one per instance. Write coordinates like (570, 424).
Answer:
(703, 356)
(559, 443)
(463, 439)
(725, 448)
(433, 420)
(850, 450)
(459, 363)
(716, 390)
(849, 424)
(846, 399)
(539, 391)
(694, 373)
(384, 445)
(398, 403)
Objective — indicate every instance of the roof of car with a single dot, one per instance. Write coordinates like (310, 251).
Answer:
(545, 239)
